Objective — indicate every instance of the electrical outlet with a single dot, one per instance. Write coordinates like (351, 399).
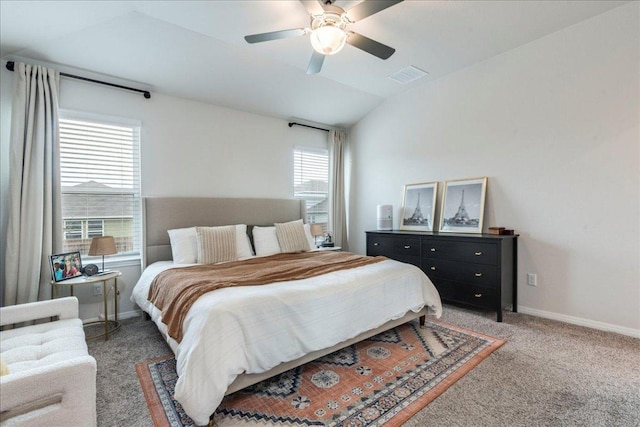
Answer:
(97, 289)
(532, 279)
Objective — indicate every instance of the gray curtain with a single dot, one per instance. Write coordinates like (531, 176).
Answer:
(337, 203)
(34, 222)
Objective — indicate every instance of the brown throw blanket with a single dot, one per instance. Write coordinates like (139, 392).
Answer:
(175, 290)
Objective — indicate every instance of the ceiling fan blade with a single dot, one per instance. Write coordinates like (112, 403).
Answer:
(275, 35)
(314, 7)
(373, 47)
(368, 8)
(315, 65)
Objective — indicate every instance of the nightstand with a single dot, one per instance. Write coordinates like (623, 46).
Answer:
(330, 248)
(104, 278)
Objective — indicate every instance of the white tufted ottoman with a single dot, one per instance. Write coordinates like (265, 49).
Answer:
(52, 378)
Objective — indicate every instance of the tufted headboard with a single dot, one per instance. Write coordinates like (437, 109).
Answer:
(165, 213)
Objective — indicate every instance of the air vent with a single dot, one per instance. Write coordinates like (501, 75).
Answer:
(407, 75)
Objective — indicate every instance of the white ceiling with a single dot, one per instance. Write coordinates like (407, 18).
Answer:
(196, 50)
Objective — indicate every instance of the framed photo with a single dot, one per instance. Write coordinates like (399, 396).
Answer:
(463, 205)
(65, 266)
(419, 206)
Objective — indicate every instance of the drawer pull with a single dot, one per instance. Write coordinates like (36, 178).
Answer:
(478, 274)
(433, 249)
(433, 268)
(407, 246)
(478, 253)
(478, 295)
(376, 244)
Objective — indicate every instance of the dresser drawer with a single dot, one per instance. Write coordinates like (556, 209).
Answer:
(467, 294)
(471, 273)
(475, 252)
(393, 245)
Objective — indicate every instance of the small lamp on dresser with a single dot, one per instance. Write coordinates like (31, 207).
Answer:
(316, 230)
(104, 245)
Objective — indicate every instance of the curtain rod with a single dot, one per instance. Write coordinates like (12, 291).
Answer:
(146, 93)
(292, 124)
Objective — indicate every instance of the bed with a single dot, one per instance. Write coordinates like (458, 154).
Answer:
(235, 337)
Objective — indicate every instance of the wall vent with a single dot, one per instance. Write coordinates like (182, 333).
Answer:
(407, 75)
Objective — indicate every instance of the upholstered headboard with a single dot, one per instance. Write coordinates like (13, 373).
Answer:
(165, 213)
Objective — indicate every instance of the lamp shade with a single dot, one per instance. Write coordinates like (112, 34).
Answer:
(104, 245)
(316, 230)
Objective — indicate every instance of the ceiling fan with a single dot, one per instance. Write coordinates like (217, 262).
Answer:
(329, 30)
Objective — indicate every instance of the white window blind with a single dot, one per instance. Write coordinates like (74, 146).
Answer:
(100, 178)
(311, 182)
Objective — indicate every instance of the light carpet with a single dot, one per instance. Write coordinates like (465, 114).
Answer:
(383, 380)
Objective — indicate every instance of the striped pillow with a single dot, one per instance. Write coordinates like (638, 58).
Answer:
(291, 237)
(216, 244)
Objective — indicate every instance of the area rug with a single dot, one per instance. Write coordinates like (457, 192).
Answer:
(381, 381)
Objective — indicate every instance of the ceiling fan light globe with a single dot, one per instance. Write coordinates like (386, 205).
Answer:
(328, 40)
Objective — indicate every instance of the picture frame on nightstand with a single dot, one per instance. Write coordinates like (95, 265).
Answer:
(419, 206)
(65, 266)
(462, 208)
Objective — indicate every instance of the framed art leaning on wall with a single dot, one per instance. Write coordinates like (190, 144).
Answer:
(463, 205)
(419, 206)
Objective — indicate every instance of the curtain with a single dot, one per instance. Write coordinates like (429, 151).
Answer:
(337, 202)
(34, 223)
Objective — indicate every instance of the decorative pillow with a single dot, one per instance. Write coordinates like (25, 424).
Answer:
(216, 244)
(291, 237)
(265, 241)
(4, 370)
(184, 244)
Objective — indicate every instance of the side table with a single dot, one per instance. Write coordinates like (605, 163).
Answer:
(330, 248)
(109, 325)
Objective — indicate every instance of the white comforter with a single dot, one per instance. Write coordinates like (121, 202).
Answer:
(252, 329)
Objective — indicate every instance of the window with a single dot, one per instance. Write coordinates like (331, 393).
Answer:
(100, 178)
(72, 229)
(311, 183)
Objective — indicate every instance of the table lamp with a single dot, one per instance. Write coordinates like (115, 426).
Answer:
(316, 230)
(104, 245)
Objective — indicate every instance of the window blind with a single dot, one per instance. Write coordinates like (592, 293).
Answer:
(100, 179)
(311, 182)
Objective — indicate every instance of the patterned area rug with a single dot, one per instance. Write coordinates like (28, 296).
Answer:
(383, 380)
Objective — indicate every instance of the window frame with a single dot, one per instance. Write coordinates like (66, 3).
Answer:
(130, 257)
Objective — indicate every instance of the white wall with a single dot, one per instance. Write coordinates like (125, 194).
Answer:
(188, 149)
(554, 125)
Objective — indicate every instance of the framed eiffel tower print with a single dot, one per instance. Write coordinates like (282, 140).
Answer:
(419, 206)
(463, 205)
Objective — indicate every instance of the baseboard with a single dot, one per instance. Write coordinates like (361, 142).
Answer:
(580, 321)
(130, 314)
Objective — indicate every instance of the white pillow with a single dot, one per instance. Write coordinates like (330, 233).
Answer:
(243, 244)
(265, 241)
(184, 244)
(310, 238)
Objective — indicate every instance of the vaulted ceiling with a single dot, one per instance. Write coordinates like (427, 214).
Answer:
(196, 49)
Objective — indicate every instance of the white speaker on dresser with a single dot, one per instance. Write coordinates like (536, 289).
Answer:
(385, 217)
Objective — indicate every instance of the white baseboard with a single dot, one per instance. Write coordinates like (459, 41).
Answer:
(580, 321)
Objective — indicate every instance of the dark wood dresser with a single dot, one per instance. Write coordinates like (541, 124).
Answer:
(479, 270)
